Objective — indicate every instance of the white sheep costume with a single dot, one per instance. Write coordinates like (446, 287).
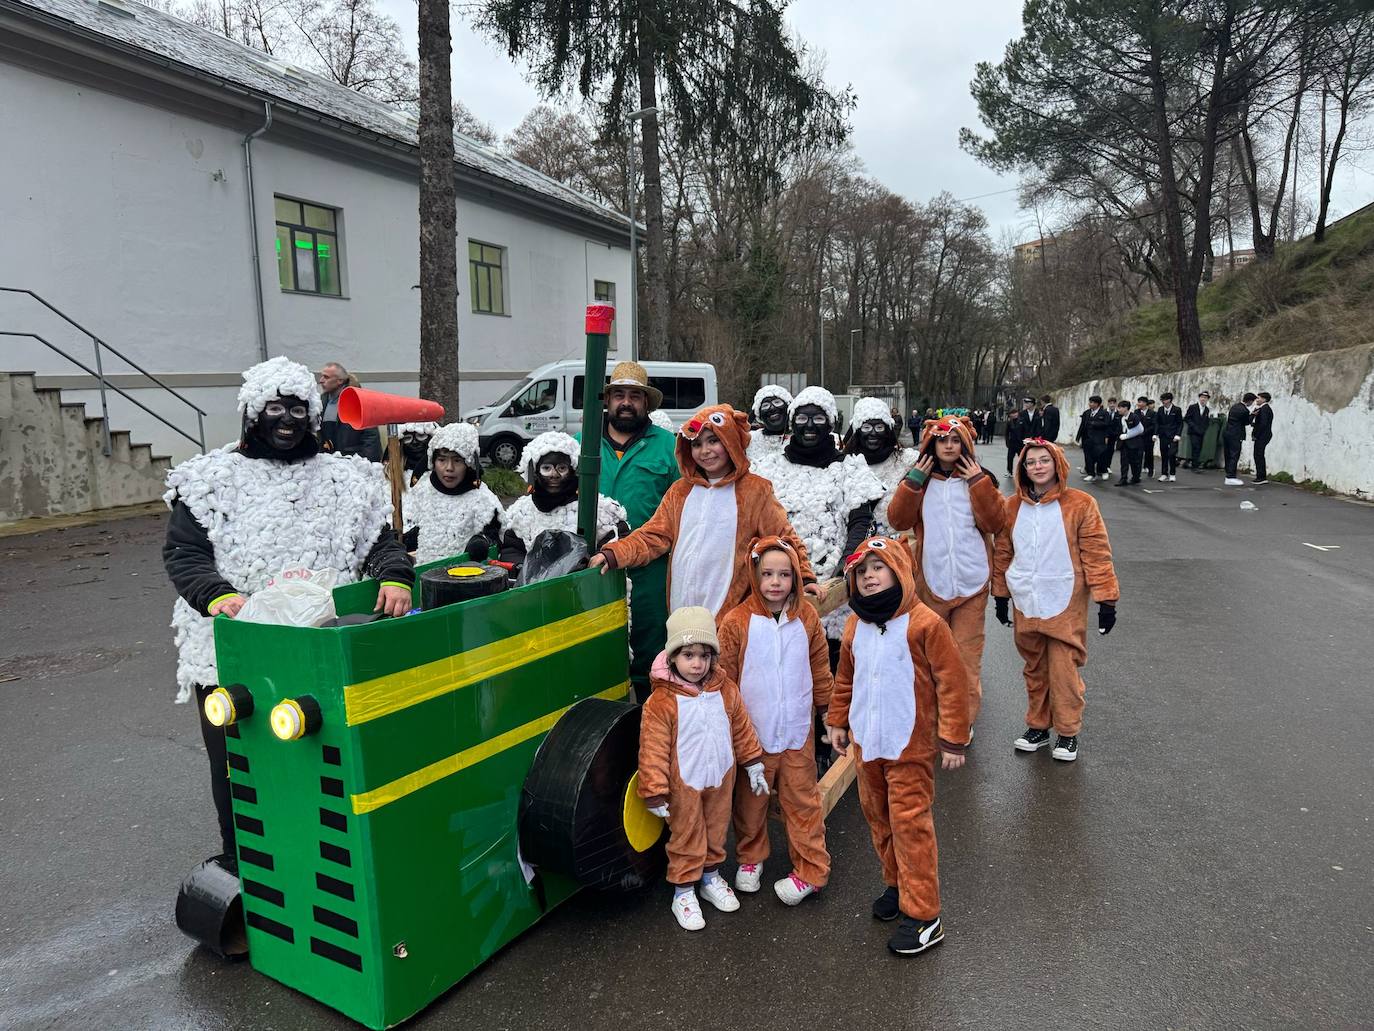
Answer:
(448, 521)
(662, 420)
(765, 451)
(889, 471)
(263, 516)
(526, 521)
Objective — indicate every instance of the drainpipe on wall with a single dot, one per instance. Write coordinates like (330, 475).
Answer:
(253, 225)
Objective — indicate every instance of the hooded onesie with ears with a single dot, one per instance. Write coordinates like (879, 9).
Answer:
(709, 525)
(953, 521)
(1050, 558)
(691, 738)
(441, 521)
(782, 666)
(902, 692)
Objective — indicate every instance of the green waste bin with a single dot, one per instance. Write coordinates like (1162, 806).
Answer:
(1211, 453)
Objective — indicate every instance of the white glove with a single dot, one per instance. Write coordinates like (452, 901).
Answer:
(661, 811)
(1123, 436)
(1175, 438)
(758, 784)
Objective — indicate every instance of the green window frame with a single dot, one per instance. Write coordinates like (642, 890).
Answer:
(308, 255)
(487, 278)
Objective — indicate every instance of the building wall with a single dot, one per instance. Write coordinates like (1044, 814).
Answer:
(133, 220)
(1323, 409)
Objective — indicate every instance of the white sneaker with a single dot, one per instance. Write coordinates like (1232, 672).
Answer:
(792, 889)
(1089, 479)
(1105, 476)
(748, 877)
(688, 911)
(1232, 482)
(715, 891)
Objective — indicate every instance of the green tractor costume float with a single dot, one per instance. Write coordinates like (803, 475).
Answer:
(411, 794)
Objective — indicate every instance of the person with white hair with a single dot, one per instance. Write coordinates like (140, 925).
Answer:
(451, 507)
(872, 436)
(243, 513)
(770, 411)
(549, 466)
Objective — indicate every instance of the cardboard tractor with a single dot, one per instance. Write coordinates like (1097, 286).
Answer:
(411, 794)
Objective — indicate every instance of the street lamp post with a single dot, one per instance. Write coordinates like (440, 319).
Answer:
(820, 319)
(852, 334)
(644, 112)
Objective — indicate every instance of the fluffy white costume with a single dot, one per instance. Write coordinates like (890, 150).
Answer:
(262, 516)
(765, 451)
(279, 377)
(818, 503)
(448, 521)
(422, 428)
(889, 471)
(660, 419)
(524, 517)
(458, 437)
(821, 398)
(547, 443)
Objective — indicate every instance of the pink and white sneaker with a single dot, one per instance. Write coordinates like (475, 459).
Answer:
(688, 911)
(792, 889)
(748, 877)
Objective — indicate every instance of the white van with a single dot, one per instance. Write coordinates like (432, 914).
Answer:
(550, 398)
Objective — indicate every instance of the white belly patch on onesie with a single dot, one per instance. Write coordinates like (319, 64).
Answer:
(1040, 576)
(705, 752)
(882, 710)
(703, 562)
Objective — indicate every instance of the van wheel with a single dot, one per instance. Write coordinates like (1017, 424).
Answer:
(579, 813)
(505, 451)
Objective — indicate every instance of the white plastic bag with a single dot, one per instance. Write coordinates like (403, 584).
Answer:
(293, 597)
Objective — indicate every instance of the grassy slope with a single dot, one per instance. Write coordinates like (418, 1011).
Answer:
(1312, 297)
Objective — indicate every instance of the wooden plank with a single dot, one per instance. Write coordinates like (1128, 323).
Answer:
(836, 782)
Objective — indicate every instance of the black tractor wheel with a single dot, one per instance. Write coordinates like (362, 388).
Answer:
(210, 908)
(579, 813)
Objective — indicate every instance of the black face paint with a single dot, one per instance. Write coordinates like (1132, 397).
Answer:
(283, 424)
(874, 436)
(556, 488)
(415, 451)
(773, 416)
(810, 426)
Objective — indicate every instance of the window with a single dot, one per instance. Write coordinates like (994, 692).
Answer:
(678, 391)
(603, 292)
(541, 396)
(486, 278)
(308, 248)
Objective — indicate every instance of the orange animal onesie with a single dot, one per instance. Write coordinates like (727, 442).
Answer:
(782, 666)
(1052, 554)
(953, 521)
(902, 692)
(691, 738)
(709, 526)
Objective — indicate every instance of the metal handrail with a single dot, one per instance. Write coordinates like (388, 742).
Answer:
(99, 373)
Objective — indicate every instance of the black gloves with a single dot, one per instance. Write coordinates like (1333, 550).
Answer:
(1003, 616)
(1106, 617)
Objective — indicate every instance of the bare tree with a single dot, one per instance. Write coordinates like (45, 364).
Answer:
(357, 46)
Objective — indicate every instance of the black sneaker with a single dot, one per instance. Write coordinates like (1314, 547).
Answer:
(885, 905)
(1032, 740)
(1066, 748)
(913, 936)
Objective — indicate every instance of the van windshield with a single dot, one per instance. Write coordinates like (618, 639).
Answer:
(512, 392)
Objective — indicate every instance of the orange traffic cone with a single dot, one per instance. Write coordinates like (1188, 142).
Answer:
(362, 409)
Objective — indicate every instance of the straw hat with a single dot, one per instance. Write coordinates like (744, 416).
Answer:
(632, 374)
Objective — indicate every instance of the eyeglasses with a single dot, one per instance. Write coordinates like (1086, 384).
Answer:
(821, 420)
(275, 410)
(554, 468)
(1038, 463)
(872, 427)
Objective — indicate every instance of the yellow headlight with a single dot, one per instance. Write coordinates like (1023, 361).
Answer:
(219, 708)
(288, 721)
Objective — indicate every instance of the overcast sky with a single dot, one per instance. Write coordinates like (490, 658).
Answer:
(909, 64)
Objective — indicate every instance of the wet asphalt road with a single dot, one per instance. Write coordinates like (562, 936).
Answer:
(1205, 864)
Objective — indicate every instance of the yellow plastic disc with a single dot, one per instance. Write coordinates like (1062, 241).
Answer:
(465, 571)
(288, 720)
(219, 708)
(642, 828)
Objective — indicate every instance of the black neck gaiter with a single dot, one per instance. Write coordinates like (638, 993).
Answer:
(877, 608)
(819, 456)
(547, 501)
(253, 446)
(466, 484)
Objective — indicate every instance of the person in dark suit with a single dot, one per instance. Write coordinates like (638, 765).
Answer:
(1132, 442)
(1262, 432)
(1049, 419)
(989, 425)
(1237, 418)
(1019, 430)
(1196, 419)
(1147, 446)
(1169, 429)
(337, 437)
(1094, 427)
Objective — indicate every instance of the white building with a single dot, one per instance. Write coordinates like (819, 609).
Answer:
(124, 201)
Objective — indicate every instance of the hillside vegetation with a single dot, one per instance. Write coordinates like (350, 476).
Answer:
(1311, 297)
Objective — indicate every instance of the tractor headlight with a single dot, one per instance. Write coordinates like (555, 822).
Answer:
(293, 718)
(227, 704)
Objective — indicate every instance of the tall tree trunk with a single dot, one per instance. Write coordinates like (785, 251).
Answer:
(438, 213)
(1325, 209)
(653, 322)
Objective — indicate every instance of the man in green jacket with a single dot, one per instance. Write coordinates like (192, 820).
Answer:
(638, 464)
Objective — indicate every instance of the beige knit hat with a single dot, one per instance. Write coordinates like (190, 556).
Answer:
(691, 625)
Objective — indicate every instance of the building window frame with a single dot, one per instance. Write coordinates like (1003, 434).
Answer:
(603, 292)
(316, 228)
(488, 278)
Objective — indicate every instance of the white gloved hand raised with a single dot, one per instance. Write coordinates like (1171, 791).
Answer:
(660, 811)
(758, 784)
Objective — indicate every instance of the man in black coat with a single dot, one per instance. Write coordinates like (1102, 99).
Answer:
(338, 437)
(1144, 407)
(1049, 419)
(1262, 432)
(1020, 428)
(1132, 442)
(1169, 429)
(1237, 418)
(1197, 419)
(1094, 427)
